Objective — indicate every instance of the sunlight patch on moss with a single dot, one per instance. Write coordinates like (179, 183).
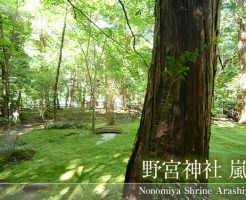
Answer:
(125, 160)
(77, 193)
(64, 191)
(101, 190)
(120, 178)
(59, 196)
(99, 168)
(88, 169)
(80, 170)
(72, 166)
(68, 175)
(105, 178)
(116, 155)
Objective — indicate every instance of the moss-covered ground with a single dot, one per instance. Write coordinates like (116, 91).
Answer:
(67, 156)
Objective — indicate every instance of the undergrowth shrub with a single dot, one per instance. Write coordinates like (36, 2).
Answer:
(66, 125)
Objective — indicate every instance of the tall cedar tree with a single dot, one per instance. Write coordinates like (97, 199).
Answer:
(176, 117)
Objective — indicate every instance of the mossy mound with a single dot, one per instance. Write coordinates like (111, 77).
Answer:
(20, 154)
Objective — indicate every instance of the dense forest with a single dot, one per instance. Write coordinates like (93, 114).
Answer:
(119, 82)
(57, 55)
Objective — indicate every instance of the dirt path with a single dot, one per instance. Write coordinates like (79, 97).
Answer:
(223, 121)
(8, 137)
(22, 129)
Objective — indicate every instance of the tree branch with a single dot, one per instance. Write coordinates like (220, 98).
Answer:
(102, 31)
(133, 35)
(141, 36)
(226, 62)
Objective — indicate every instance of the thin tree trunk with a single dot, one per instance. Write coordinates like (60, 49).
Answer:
(83, 97)
(44, 93)
(47, 109)
(17, 106)
(58, 103)
(106, 92)
(93, 88)
(72, 90)
(67, 96)
(123, 93)
(242, 59)
(80, 94)
(41, 109)
(175, 121)
(110, 113)
(94, 106)
(97, 62)
(59, 66)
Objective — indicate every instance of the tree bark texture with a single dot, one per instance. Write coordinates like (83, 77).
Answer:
(175, 122)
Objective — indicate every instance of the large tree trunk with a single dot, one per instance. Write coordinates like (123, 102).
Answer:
(242, 59)
(175, 121)
(5, 76)
(59, 67)
(5, 96)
